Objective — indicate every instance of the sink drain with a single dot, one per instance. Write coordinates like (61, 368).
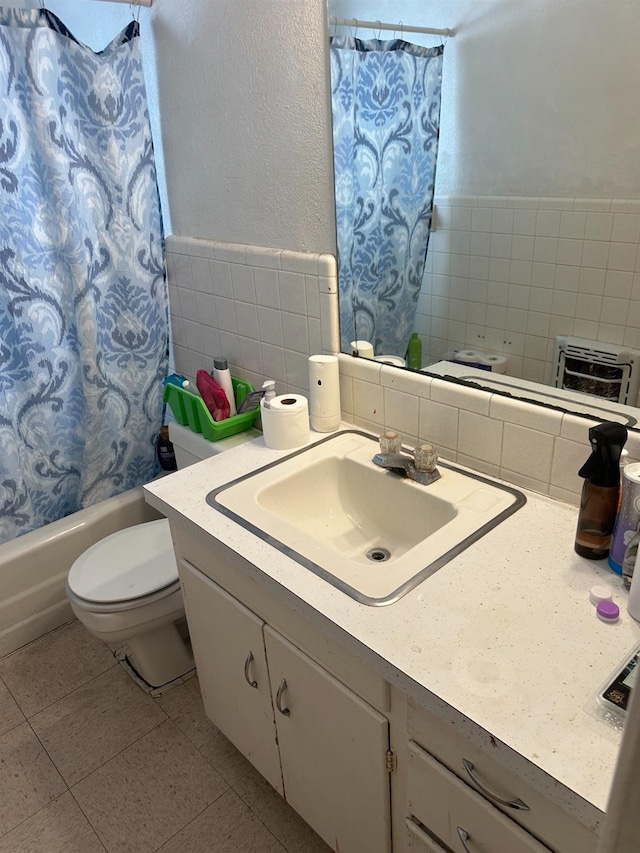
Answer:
(378, 555)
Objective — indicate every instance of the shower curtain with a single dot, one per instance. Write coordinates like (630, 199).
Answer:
(83, 297)
(386, 116)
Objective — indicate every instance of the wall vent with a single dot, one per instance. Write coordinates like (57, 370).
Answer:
(602, 370)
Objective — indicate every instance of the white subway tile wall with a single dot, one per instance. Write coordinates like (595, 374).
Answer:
(529, 445)
(264, 310)
(507, 275)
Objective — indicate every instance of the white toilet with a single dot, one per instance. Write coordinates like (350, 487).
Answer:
(125, 588)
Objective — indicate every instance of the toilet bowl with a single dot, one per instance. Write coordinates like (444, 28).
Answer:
(125, 588)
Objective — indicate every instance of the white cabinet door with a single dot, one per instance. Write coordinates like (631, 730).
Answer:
(333, 749)
(228, 647)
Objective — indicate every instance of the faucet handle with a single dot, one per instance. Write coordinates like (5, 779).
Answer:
(425, 457)
(390, 442)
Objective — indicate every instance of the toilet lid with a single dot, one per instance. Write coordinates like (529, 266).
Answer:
(128, 564)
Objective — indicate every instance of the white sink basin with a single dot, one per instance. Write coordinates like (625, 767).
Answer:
(369, 532)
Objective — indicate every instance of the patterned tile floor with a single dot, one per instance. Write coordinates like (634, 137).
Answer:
(90, 763)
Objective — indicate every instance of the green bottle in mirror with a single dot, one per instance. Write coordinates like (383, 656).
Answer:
(414, 352)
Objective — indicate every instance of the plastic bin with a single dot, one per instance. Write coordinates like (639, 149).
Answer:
(189, 410)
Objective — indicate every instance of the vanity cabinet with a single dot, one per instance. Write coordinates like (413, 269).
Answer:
(318, 723)
(318, 743)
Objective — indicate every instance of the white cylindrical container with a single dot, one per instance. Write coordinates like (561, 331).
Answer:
(324, 393)
(363, 348)
(285, 421)
(222, 376)
(633, 605)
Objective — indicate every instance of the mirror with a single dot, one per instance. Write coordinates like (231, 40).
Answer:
(540, 137)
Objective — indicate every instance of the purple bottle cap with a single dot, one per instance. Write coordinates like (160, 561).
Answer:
(608, 611)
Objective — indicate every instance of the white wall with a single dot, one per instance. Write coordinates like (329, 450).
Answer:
(240, 113)
(539, 98)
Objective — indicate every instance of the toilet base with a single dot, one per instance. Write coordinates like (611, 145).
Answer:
(156, 692)
(160, 656)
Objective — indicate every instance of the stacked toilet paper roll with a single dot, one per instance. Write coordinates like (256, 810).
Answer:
(324, 392)
(481, 360)
(495, 363)
(468, 356)
(285, 421)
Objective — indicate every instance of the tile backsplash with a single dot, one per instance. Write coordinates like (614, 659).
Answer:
(264, 310)
(267, 310)
(532, 446)
(508, 274)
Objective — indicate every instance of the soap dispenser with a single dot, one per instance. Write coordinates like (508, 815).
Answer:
(599, 501)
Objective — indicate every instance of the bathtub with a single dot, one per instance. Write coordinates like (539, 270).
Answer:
(33, 567)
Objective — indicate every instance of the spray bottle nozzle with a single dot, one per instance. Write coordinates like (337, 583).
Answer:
(603, 466)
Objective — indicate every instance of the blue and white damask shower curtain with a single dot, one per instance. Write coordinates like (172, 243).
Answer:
(83, 298)
(386, 118)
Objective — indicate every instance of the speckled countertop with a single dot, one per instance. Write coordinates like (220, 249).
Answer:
(504, 633)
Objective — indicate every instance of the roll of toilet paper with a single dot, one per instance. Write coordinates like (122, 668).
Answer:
(472, 358)
(495, 363)
(469, 356)
(285, 421)
(363, 348)
(324, 393)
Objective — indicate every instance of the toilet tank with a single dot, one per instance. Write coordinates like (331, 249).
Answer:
(191, 447)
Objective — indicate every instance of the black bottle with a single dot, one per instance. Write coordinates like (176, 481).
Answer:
(166, 455)
(601, 489)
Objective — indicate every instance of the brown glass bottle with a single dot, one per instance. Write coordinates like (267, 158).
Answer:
(600, 492)
(598, 506)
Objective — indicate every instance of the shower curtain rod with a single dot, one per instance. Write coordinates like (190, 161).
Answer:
(379, 25)
(133, 2)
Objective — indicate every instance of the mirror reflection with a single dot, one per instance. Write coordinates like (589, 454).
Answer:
(531, 281)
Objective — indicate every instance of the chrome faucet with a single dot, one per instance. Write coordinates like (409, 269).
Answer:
(421, 467)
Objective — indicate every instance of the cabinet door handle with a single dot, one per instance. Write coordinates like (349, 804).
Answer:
(284, 711)
(464, 838)
(511, 804)
(250, 681)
